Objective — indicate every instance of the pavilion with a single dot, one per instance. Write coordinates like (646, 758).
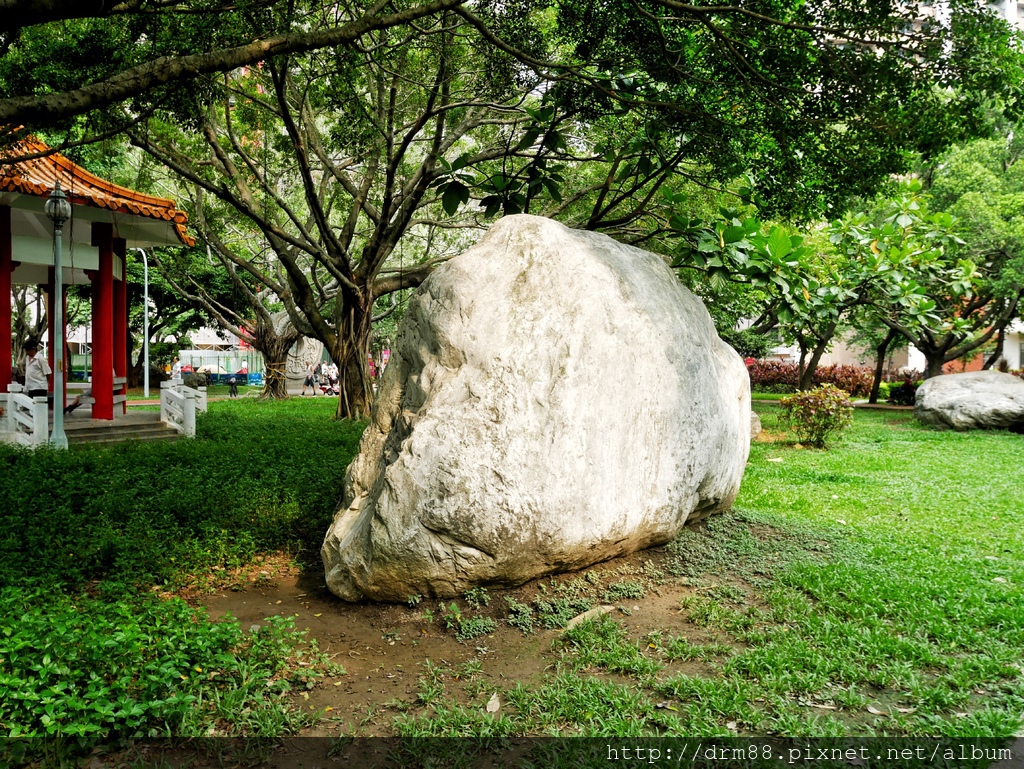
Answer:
(106, 220)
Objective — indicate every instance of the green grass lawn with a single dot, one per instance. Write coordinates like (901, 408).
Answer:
(212, 391)
(871, 589)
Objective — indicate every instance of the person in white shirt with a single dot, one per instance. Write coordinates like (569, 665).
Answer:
(176, 369)
(37, 372)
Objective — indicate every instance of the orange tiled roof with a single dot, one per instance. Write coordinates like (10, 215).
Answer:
(38, 176)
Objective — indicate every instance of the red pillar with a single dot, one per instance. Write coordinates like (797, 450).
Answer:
(121, 318)
(6, 270)
(103, 323)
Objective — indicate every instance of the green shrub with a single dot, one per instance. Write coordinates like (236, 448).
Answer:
(816, 414)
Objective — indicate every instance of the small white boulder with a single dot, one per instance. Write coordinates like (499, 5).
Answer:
(973, 400)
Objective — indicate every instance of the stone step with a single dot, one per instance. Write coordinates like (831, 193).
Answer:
(116, 433)
(95, 440)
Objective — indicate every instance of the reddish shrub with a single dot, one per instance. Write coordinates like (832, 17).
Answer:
(778, 377)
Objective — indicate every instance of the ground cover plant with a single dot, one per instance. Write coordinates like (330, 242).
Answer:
(260, 477)
(89, 652)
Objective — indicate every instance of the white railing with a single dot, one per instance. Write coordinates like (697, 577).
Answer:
(26, 420)
(179, 404)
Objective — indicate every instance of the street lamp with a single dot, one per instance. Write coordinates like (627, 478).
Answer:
(145, 323)
(58, 209)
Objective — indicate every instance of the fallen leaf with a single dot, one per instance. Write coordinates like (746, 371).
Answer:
(319, 615)
(774, 459)
(1000, 580)
(731, 726)
(819, 706)
(906, 710)
(875, 711)
(493, 704)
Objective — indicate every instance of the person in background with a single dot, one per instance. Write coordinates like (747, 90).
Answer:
(87, 393)
(37, 371)
(176, 368)
(232, 386)
(308, 381)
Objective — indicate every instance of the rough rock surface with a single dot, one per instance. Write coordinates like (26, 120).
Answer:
(973, 400)
(755, 425)
(554, 399)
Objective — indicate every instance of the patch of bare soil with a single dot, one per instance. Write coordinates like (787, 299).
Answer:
(384, 648)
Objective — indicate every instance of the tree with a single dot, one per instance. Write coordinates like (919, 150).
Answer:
(61, 60)
(929, 291)
(821, 99)
(982, 184)
(331, 181)
(237, 303)
(894, 259)
(171, 313)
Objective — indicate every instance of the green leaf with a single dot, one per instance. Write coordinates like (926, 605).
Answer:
(779, 244)
(454, 195)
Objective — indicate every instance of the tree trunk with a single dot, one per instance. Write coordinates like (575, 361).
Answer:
(880, 352)
(275, 368)
(800, 365)
(274, 372)
(1000, 343)
(807, 372)
(273, 338)
(934, 364)
(351, 354)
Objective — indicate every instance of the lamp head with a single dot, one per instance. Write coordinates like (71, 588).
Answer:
(57, 207)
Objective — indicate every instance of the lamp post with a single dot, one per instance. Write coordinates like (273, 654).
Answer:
(58, 209)
(145, 323)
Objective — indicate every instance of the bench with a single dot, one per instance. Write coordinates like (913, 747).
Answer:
(88, 400)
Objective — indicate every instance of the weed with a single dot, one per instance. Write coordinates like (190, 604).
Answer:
(451, 616)
(469, 669)
(430, 685)
(477, 597)
(414, 600)
(473, 627)
(520, 615)
(619, 590)
(557, 613)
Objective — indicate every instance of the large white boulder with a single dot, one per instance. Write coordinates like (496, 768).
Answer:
(973, 400)
(555, 399)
